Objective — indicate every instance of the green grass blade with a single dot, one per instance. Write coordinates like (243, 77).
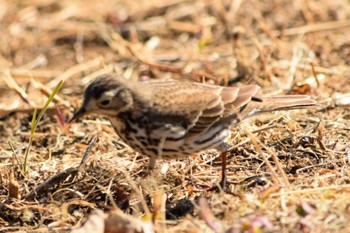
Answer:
(35, 122)
(49, 100)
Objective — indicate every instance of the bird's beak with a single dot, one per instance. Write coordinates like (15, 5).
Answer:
(77, 114)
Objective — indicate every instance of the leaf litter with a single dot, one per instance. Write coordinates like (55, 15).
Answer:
(287, 171)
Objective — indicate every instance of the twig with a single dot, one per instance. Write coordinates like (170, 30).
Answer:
(49, 184)
(40, 74)
(88, 65)
(48, 92)
(11, 83)
(88, 150)
(312, 64)
(169, 68)
(148, 215)
(256, 143)
(269, 33)
(141, 58)
(345, 187)
(62, 176)
(208, 216)
(315, 28)
(304, 6)
(319, 69)
(264, 61)
(297, 56)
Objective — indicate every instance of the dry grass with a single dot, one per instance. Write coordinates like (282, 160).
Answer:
(288, 171)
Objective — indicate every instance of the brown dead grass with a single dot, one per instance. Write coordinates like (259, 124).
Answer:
(284, 46)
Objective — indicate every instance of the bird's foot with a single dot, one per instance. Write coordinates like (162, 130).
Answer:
(218, 187)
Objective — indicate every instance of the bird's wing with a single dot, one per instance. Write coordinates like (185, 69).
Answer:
(198, 105)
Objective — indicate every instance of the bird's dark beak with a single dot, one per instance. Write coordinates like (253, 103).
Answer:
(77, 114)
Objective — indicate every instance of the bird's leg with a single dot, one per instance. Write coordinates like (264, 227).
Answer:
(223, 148)
(151, 163)
(151, 166)
(223, 181)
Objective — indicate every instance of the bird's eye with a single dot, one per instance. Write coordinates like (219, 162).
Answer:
(105, 102)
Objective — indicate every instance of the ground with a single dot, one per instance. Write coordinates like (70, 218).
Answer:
(288, 171)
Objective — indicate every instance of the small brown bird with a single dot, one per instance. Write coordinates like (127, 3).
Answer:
(174, 119)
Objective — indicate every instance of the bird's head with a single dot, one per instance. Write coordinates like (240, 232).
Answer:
(105, 95)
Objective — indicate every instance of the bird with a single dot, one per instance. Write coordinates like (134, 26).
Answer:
(174, 119)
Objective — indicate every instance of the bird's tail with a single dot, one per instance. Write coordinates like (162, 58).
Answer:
(277, 103)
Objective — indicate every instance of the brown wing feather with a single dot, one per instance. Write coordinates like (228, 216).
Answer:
(185, 98)
(236, 98)
(202, 105)
(208, 116)
(228, 102)
(194, 101)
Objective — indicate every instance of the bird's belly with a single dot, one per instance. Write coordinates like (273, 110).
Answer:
(165, 144)
(156, 143)
(209, 139)
(133, 136)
